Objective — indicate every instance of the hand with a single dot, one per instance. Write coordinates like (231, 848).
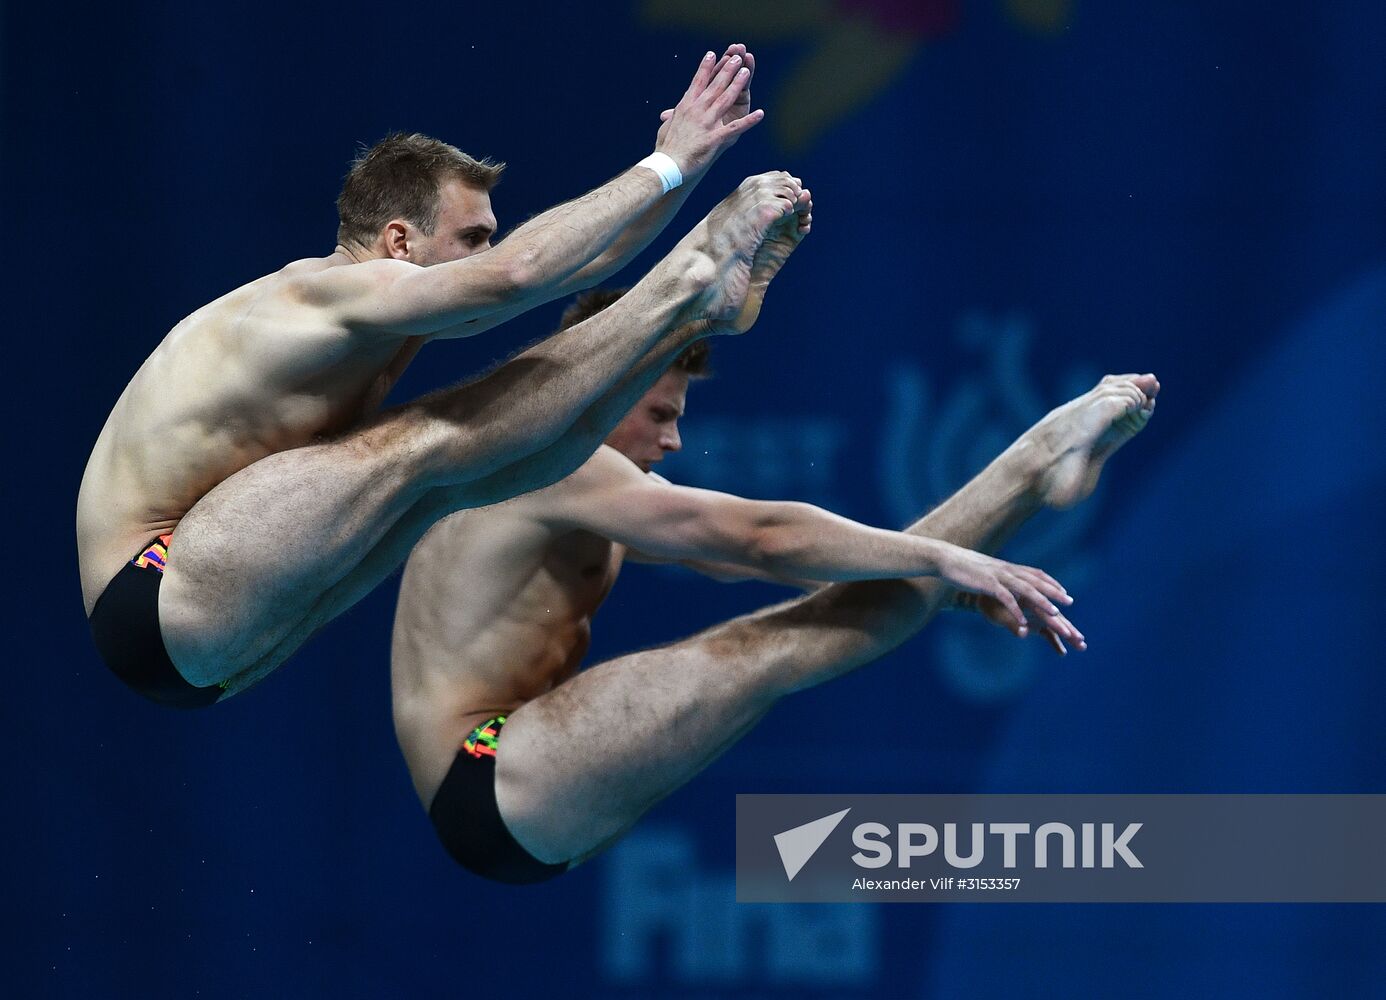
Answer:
(991, 609)
(1009, 586)
(712, 113)
(741, 107)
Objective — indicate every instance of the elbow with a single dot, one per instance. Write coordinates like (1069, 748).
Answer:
(774, 545)
(523, 272)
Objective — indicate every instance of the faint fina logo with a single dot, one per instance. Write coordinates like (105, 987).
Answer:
(936, 440)
(671, 923)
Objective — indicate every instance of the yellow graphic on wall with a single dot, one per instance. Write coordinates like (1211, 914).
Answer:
(877, 38)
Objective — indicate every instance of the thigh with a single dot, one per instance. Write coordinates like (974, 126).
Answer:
(257, 552)
(387, 555)
(578, 765)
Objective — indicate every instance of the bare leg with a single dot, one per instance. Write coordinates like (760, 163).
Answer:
(254, 557)
(533, 471)
(663, 715)
(541, 469)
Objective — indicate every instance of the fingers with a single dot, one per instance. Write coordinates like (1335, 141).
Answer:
(1056, 630)
(712, 110)
(1035, 586)
(1055, 643)
(728, 69)
(728, 97)
(720, 83)
(717, 68)
(740, 125)
(1016, 620)
(738, 49)
(1046, 584)
(1030, 595)
(699, 83)
(1063, 629)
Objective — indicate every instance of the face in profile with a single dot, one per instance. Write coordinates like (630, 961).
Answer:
(464, 227)
(651, 429)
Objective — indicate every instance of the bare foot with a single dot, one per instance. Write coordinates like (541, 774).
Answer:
(1075, 440)
(749, 236)
(780, 242)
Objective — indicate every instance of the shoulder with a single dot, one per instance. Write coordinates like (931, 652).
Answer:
(602, 479)
(326, 285)
(607, 469)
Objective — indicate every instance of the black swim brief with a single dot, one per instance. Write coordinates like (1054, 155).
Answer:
(125, 625)
(468, 821)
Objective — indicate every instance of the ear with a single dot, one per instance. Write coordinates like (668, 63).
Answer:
(396, 236)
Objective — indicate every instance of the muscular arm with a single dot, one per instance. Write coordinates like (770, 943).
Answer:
(631, 240)
(628, 244)
(724, 572)
(784, 540)
(535, 264)
(570, 246)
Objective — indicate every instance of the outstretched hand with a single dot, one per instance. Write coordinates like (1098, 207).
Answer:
(1056, 625)
(713, 112)
(1004, 589)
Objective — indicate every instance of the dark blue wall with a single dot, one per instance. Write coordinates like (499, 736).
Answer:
(1012, 197)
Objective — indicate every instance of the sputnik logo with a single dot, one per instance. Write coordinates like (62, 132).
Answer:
(796, 846)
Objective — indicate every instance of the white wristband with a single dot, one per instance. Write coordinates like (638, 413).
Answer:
(663, 164)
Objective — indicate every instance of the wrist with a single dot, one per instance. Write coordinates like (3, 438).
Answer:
(932, 552)
(665, 167)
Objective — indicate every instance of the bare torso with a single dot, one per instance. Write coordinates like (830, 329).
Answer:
(260, 370)
(495, 609)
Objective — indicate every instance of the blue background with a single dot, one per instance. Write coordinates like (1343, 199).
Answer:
(1012, 197)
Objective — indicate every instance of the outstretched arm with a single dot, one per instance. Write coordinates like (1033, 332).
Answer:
(789, 541)
(548, 255)
(724, 572)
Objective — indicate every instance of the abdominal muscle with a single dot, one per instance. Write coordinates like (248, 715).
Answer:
(479, 632)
